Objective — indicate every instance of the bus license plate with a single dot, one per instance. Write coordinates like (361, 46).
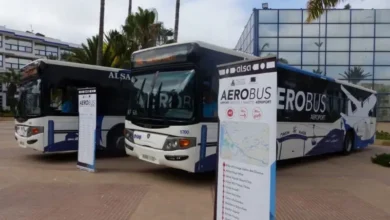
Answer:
(149, 158)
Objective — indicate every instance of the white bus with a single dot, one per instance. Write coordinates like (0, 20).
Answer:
(172, 115)
(46, 116)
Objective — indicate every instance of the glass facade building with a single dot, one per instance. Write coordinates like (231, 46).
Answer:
(351, 45)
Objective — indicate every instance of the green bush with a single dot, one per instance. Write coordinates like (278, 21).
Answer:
(382, 135)
(382, 159)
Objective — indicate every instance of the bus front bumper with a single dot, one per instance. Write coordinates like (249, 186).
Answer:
(34, 142)
(179, 159)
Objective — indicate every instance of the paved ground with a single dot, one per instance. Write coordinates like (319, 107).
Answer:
(35, 186)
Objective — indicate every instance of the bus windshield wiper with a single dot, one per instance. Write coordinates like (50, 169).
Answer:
(151, 96)
(139, 95)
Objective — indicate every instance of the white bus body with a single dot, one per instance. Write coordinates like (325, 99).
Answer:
(41, 123)
(340, 117)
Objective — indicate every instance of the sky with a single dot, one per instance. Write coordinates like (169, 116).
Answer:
(219, 22)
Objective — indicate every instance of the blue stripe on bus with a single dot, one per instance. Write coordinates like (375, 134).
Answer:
(273, 192)
(70, 145)
(50, 133)
(204, 163)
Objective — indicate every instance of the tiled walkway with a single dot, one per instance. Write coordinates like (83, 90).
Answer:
(35, 186)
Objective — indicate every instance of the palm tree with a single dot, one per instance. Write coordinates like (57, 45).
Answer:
(11, 79)
(347, 6)
(355, 75)
(88, 53)
(52, 57)
(318, 71)
(265, 45)
(317, 7)
(101, 34)
(282, 60)
(130, 5)
(177, 13)
(139, 31)
(142, 29)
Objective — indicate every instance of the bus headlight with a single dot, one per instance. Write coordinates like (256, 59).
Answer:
(177, 143)
(129, 135)
(33, 130)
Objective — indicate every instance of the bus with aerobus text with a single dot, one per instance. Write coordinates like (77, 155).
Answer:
(46, 118)
(174, 96)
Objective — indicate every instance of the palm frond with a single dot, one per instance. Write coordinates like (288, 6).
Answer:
(317, 7)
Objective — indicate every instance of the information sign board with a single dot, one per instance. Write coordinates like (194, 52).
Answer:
(87, 129)
(247, 111)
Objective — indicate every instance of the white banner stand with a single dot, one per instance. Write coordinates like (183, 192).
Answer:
(247, 111)
(87, 129)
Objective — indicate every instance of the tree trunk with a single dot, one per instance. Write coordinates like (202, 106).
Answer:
(99, 54)
(130, 5)
(177, 20)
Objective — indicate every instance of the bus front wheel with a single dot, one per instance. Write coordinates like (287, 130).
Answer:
(115, 141)
(348, 143)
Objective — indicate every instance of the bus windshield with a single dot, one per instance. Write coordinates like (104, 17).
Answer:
(29, 99)
(163, 95)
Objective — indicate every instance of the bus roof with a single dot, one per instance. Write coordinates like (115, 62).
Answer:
(72, 64)
(204, 45)
(288, 67)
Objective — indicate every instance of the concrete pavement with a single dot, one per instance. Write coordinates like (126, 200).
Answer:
(36, 186)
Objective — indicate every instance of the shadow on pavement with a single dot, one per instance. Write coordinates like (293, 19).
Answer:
(70, 157)
(182, 177)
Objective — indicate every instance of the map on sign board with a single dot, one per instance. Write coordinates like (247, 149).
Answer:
(245, 142)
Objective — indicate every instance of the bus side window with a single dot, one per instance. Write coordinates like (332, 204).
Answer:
(56, 98)
(64, 100)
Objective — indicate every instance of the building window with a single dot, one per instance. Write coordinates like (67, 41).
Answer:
(337, 44)
(382, 30)
(382, 72)
(16, 63)
(268, 16)
(290, 16)
(292, 58)
(337, 30)
(382, 58)
(362, 58)
(268, 30)
(43, 50)
(362, 44)
(337, 58)
(18, 45)
(321, 20)
(290, 44)
(362, 30)
(1, 41)
(338, 16)
(362, 16)
(268, 44)
(314, 44)
(314, 30)
(382, 44)
(382, 15)
(290, 30)
(1, 60)
(336, 72)
(313, 58)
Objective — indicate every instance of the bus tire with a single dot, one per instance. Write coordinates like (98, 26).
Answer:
(115, 141)
(348, 143)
